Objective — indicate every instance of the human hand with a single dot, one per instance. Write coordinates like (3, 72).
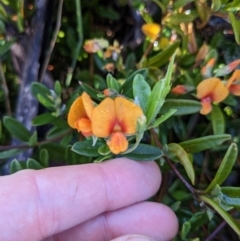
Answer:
(85, 202)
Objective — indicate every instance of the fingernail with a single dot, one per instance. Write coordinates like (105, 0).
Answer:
(133, 237)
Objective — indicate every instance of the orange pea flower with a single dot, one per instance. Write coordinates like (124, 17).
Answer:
(211, 90)
(179, 90)
(234, 88)
(115, 119)
(151, 30)
(79, 116)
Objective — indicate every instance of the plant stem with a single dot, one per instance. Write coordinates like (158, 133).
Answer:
(80, 41)
(216, 231)
(24, 146)
(190, 188)
(53, 41)
(5, 90)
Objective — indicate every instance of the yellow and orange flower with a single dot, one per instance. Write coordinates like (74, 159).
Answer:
(211, 90)
(151, 30)
(79, 116)
(115, 119)
(234, 88)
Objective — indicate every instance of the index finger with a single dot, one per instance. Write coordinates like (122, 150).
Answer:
(52, 200)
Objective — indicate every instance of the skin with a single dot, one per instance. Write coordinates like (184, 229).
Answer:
(88, 202)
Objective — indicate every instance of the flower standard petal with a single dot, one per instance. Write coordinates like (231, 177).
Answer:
(104, 118)
(117, 142)
(206, 87)
(88, 104)
(127, 114)
(76, 112)
(219, 93)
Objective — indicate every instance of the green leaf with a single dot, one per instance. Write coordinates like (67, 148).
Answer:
(218, 121)
(176, 151)
(40, 89)
(185, 230)
(204, 143)
(92, 92)
(231, 191)
(58, 88)
(163, 57)
(127, 87)
(15, 166)
(44, 157)
(197, 220)
(235, 21)
(112, 83)
(162, 118)
(159, 93)
(86, 148)
(43, 119)
(104, 150)
(9, 153)
(141, 91)
(183, 107)
(144, 153)
(5, 46)
(33, 139)
(181, 3)
(17, 129)
(46, 101)
(216, 5)
(234, 224)
(107, 12)
(33, 164)
(178, 18)
(225, 167)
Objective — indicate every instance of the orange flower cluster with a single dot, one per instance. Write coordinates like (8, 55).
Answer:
(213, 90)
(113, 119)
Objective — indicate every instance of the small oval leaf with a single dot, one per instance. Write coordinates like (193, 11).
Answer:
(17, 129)
(144, 153)
(86, 148)
(141, 91)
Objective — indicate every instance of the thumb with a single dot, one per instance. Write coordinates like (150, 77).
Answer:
(133, 237)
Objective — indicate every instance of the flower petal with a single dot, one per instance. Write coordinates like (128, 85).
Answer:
(235, 89)
(84, 125)
(117, 142)
(88, 104)
(151, 30)
(206, 87)
(76, 112)
(219, 93)
(235, 76)
(104, 118)
(127, 114)
(206, 106)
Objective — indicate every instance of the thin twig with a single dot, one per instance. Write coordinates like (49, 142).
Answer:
(190, 188)
(53, 41)
(5, 90)
(24, 146)
(80, 41)
(216, 231)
